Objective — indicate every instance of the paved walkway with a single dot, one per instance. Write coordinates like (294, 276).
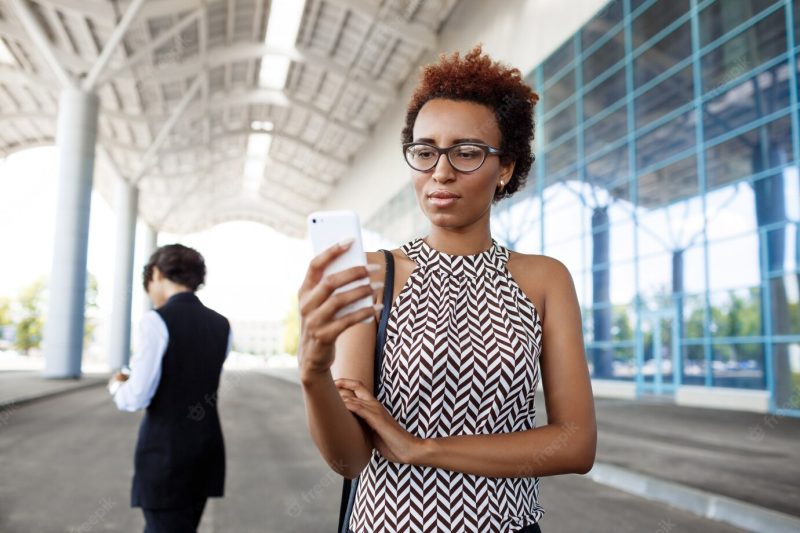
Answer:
(18, 387)
(69, 459)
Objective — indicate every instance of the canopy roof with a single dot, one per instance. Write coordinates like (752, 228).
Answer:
(211, 113)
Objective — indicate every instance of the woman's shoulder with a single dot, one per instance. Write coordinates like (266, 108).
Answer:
(539, 276)
(401, 262)
(536, 262)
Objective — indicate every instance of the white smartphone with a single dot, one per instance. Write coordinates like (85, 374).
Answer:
(326, 228)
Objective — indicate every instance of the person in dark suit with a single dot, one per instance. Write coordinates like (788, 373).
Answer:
(175, 373)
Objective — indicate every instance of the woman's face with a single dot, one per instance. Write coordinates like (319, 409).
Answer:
(443, 123)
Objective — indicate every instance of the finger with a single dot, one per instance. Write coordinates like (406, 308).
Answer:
(359, 408)
(336, 301)
(331, 330)
(345, 393)
(358, 388)
(353, 405)
(347, 382)
(316, 267)
(339, 283)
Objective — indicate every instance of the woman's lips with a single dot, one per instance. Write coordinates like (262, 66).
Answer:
(442, 202)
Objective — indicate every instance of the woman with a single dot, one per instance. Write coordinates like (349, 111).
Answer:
(450, 443)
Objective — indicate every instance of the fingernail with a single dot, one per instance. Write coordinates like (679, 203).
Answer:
(345, 243)
(377, 307)
(372, 268)
(376, 284)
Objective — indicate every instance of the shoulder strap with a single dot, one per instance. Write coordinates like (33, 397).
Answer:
(380, 341)
(350, 487)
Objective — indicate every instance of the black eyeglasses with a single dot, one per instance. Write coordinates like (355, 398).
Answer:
(464, 157)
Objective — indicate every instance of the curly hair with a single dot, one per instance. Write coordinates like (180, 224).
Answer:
(477, 78)
(178, 263)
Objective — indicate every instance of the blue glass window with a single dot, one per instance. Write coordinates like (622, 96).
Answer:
(665, 141)
(611, 53)
(601, 23)
(663, 55)
(664, 97)
(741, 156)
(747, 101)
(744, 52)
(655, 18)
(722, 16)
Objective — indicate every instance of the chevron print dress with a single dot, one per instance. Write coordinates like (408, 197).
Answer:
(461, 358)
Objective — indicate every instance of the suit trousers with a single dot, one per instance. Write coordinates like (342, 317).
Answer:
(180, 520)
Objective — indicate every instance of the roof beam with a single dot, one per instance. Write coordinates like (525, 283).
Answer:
(111, 45)
(31, 25)
(68, 59)
(153, 149)
(221, 56)
(153, 45)
(234, 134)
(103, 13)
(409, 31)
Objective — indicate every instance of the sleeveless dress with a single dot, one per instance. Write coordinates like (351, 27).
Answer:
(461, 358)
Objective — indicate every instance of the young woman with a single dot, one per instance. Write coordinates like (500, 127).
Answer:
(451, 443)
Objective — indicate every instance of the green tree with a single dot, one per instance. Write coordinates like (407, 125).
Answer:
(5, 312)
(5, 316)
(90, 322)
(622, 325)
(30, 324)
(291, 327)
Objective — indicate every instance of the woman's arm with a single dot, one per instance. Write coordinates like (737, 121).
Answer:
(566, 445)
(344, 441)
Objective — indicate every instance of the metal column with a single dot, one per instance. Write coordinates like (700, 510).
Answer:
(64, 328)
(127, 200)
(148, 247)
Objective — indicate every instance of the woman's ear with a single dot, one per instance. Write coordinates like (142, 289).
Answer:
(506, 171)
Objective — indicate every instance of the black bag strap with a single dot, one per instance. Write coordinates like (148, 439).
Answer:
(350, 486)
(380, 342)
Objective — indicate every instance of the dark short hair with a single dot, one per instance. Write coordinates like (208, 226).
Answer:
(178, 263)
(477, 78)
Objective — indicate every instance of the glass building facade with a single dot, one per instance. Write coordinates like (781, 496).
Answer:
(666, 179)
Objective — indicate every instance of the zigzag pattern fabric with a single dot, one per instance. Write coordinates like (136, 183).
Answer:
(461, 358)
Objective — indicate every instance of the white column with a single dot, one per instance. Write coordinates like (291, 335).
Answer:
(127, 202)
(76, 134)
(148, 247)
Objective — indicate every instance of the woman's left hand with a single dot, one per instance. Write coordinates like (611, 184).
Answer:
(389, 437)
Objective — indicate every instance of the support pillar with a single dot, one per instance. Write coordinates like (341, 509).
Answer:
(149, 246)
(64, 328)
(127, 201)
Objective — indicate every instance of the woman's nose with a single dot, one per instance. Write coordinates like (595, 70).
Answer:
(443, 171)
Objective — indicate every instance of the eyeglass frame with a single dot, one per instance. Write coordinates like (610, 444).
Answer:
(487, 151)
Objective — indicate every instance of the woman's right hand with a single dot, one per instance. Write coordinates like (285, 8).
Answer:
(318, 305)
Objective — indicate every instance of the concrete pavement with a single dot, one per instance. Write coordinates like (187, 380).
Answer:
(67, 462)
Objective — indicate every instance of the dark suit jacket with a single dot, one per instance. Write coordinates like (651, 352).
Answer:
(180, 452)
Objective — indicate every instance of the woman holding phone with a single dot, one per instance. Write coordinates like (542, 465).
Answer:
(451, 443)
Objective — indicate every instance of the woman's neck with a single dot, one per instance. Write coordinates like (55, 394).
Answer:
(460, 241)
